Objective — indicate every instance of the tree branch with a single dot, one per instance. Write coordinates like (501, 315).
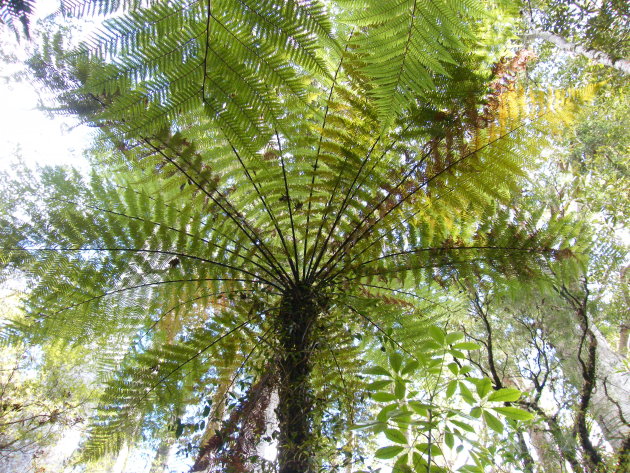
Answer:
(598, 57)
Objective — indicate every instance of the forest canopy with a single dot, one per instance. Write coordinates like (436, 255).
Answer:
(321, 236)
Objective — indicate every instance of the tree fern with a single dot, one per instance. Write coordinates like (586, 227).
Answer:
(264, 193)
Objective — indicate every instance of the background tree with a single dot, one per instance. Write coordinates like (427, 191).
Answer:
(42, 398)
(599, 31)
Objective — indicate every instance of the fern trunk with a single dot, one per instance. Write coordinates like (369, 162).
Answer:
(295, 329)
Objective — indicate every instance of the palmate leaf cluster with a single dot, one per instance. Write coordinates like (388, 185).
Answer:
(250, 148)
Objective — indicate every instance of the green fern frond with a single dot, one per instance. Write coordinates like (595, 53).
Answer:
(405, 45)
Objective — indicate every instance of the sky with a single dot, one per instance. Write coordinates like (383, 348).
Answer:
(26, 131)
(30, 133)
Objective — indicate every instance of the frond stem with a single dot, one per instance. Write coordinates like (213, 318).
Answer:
(317, 153)
(269, 212)
(254, 238)
(417, 188)
(286, 189)
(150, 251)
(140, 286)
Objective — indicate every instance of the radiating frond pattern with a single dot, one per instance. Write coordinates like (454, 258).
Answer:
(269, 194)
(236, 59)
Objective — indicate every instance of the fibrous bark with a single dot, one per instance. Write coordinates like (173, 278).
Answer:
(295, 332)
(160, 461)
(549, 457)
(232, 447)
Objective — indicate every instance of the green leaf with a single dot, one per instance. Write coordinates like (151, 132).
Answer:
(395, 361)
(424, 448)
(383, 397)
(395, 435)
(467, 346)
(399, 389)
(437, 334)
(369, 425)
(401, 465)
(475, 412)
(492, 422)
(514, 413)
(450, 388)
(483, 386)
(419, 463)
(431, 345)
(401, 416)
(384, 413)
(466, 394)
(505, 395)
(471, 469)
(419, 407)
(454, 368)
(385, 453)
(378, 371)
(463, 425)
(453, 337)
(457, 354)
(449, 439)
(410, 367)
(376, 385)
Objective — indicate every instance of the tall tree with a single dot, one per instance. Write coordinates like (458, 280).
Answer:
(271, 178)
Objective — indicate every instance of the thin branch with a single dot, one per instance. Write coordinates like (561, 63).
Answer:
(160, 252)
(574, 49)
(138, 286)
(319, 146)
(269, 212)
(254, 237)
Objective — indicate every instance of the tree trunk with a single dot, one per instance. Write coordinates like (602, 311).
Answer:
(121, 460)
(624, 330)
(160, 461)
(545, 446)
(594, 55)
(565, 443)
(610, 399)
(587, 355)
(623, 465)
(295, 324)
(526, 457)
